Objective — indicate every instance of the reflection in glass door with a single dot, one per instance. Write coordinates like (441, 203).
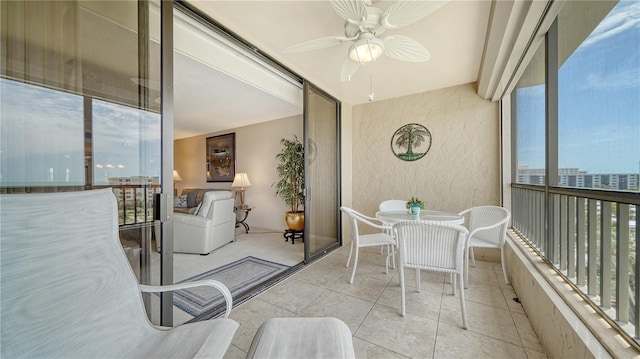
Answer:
(80, 110)
(322, 187)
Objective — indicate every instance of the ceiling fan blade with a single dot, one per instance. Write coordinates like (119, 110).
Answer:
(353, 11)
(349, 68)
(406, 49)
(316, 44)
(405, 13)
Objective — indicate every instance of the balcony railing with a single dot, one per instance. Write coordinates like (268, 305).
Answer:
(591, 238)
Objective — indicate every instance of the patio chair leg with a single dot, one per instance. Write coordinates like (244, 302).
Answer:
(466, 269)
(453, 284)
(465, 324)
(355, 265)
(473, 257)
(452, 279)
(386, 262)
(417, 280)
(350, 251)
(393, 258)
(402, 294)
(504, 266)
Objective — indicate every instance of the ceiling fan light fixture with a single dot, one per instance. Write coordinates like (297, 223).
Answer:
(366, 50)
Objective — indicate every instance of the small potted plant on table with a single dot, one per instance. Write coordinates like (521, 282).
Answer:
(414, 205)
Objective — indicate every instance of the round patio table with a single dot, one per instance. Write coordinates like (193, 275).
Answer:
(396, 216)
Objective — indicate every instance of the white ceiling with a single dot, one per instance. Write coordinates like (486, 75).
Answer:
(454, 34)
(208, 101)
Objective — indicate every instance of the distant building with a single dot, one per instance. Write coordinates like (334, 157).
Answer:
(574, 177)
(135, 188)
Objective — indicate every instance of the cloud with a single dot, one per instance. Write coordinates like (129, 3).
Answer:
(53, 129)
(624, 16)
(621, 79)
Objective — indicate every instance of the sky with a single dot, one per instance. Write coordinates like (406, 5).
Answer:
(46, 143)
(599, 101)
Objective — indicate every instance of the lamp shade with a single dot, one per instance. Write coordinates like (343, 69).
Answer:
(176, 176)
(241, 180)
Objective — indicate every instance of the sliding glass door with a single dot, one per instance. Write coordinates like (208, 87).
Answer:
(322, 187)
(81, 110)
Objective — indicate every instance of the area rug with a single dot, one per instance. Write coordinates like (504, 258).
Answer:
(238, 276)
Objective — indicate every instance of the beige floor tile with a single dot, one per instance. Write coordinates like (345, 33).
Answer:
(425, 304)
(235, 353)
(251, 315)
(490, 295)
(483, 319)
(532, 354)
(362, 287)
(455, 342)
(527, 334)
(371, 255)
(292, 295)
(372, 270)
(480, 264)
(497, 267)
(432, 282)
(509, 294)
(334, 259)
(366, 350)
(412, 336)
(350, 310)
(482, 274)
(322, 274)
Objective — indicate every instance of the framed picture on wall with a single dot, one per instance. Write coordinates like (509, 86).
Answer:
(221, 158)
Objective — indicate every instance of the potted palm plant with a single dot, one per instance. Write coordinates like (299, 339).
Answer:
(290, 187)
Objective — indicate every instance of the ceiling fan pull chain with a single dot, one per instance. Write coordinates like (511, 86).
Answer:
(371, 85)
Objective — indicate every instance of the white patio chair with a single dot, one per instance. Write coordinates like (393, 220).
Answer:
(358, 240)
(69, 292)
(487, 227)
(392, 204)
(432, 246)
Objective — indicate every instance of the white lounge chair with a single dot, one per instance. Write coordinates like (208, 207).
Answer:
(69, 292)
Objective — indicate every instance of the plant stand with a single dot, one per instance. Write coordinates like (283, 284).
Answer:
(289, 233)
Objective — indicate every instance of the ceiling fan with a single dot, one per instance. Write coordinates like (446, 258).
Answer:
(363, 26)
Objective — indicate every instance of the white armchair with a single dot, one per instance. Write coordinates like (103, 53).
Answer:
(213, 226)
(433, 246)
(69, 292)
(368, 240)
(487, 227)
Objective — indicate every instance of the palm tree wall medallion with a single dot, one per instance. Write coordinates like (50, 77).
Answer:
(411, 142)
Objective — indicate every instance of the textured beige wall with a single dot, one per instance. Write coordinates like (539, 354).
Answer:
(461, 170)
(256, 149)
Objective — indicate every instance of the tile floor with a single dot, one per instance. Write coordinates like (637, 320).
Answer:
(498, 326)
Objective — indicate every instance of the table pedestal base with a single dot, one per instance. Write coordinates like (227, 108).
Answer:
(289, 233)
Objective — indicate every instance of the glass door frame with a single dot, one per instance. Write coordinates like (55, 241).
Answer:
(308, 256)
(166, 198)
